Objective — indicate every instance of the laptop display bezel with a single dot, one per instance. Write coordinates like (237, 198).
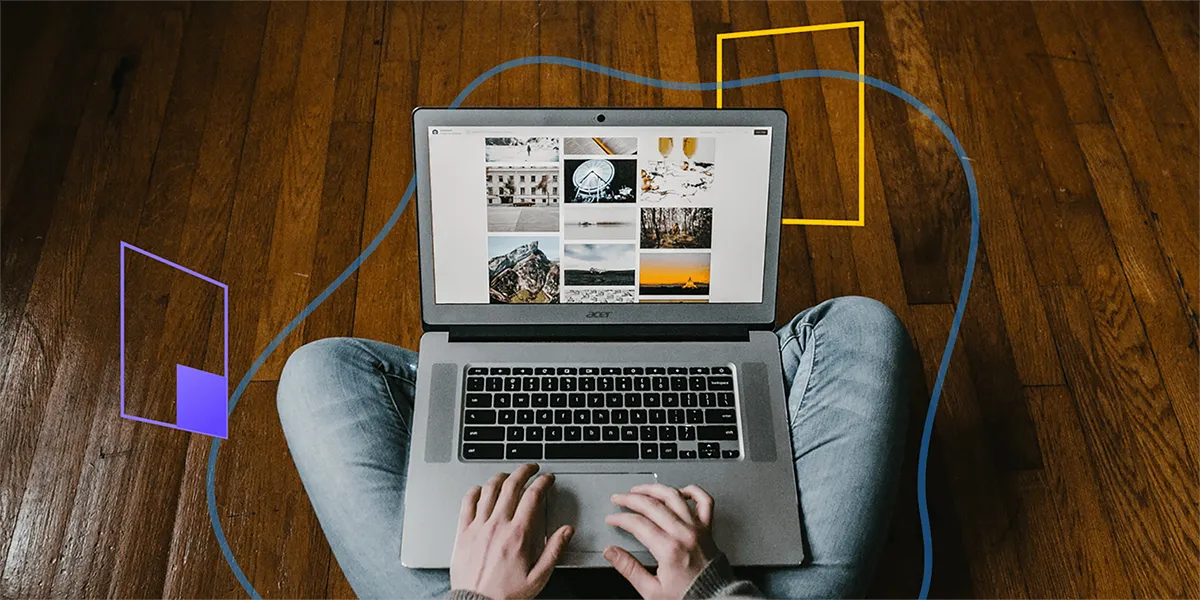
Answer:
(442, 316)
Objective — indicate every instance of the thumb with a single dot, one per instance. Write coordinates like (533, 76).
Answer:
(540, 573)
(631, 570)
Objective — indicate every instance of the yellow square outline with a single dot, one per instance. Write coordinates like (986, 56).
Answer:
(721, 37)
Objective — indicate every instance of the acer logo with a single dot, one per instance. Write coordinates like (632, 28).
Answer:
(597, 314)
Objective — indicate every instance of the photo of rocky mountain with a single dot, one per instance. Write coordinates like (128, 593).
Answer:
(523, 270)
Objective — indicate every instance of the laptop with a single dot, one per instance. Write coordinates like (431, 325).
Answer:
(598, 295)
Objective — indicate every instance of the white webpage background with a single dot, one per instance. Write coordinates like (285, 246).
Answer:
(459, 205)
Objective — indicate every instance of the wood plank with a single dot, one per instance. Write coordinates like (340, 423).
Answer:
(558, 35)
(635, 51)
(521, 86)
(676, 36)
(1071, 63)
(979, 506)
(478, 53)
(362, 47)
(597, 28)
(293, 237)
(1177, 30)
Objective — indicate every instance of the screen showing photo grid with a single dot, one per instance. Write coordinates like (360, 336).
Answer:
(611, 215)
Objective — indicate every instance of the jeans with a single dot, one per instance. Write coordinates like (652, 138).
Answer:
(346, 408)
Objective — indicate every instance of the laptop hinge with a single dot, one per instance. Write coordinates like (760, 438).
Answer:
(610, 333)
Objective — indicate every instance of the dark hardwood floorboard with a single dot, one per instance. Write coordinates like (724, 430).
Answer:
(266, 145)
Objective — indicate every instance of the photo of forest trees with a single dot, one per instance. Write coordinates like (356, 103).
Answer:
(676, 227)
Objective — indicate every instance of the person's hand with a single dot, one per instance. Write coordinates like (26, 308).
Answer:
(677, 535)
(498, 538)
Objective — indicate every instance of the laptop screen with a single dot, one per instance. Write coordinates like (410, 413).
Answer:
(598, 215)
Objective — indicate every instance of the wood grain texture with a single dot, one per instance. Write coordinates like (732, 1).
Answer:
(266, 145)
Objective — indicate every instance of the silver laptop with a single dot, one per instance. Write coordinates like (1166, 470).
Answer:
(598, 292)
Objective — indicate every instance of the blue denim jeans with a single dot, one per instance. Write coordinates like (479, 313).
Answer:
(346, 408)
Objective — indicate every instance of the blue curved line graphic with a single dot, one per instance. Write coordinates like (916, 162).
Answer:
(670, 85)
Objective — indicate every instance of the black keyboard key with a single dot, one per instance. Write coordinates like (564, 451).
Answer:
(483, 434)
(720, 415)
(611, 433)
(613, 400)
(649, 451)
(633, 370)
(658, 416)
(629, 433)
(660, 384)
(567, 370)
(549, 384)
(587, 384)
(722, 371)
(648, 433)
(481, 417)
(523, 371)
(675, 416)
(638, 416)
(541, 400)
(619, 416)
(500, 371)
(554, 434)
(494, 384)
(687, 454)
(525, 417)
(600, 417)
(544, 417)
(666, 433)
(475, 384)
(512, 384)
(679, 384)
(687, 434)
(725, 399)
(502, 400)
(690, 399)
(523, 451)
(589, 371)
(729, 453)
(533, 434)
(479, 400)
(717, 432)
(515, 434)
(577, 400)
(651, 400)
(708, 399)
(591, 433)
(483, 451)
(694, 416)
(677, 370)
(641, 384)
(633, 400)
(624, 384)
(709, 449)
(591, 451)
(477, 371)
(670, 399)
(610, 370)
(698, 370)
(520, 400)
(720, 384)
(530, 384)
(507, 417)
(581, 417)
(656, 371)
(667, 451)
(574, 433)
(543, 371)
(568, 384)
(697, 384)
(595, 400)
(605, 384)
(562, 416)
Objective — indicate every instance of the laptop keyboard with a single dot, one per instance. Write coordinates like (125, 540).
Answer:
(600, 413)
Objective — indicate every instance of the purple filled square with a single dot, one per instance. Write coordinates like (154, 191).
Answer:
(200, 402)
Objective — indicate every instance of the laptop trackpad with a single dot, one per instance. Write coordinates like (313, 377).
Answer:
(582, 500)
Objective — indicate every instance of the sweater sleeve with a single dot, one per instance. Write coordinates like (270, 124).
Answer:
(465, 595)
(717, 580)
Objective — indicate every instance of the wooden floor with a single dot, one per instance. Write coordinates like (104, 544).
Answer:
(265, 145)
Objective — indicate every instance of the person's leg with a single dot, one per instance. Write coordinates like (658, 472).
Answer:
(847, 366)
(346, 408)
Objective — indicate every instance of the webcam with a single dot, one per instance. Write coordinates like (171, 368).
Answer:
(600, 118)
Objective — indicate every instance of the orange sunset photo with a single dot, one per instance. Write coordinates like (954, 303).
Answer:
(674, 274)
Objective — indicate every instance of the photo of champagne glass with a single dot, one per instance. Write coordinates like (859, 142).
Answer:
(689, 147)
(665, 145)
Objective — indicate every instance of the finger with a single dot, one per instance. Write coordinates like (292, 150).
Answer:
(654, 510)
(540, 573)
(633, 571)
(531, 500)
(670, 497)
(654, 539)
(487, 497)
(704, 503)
(510, 492)
(467, 513)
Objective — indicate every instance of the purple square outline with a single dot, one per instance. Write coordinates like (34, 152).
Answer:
(225, 375)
